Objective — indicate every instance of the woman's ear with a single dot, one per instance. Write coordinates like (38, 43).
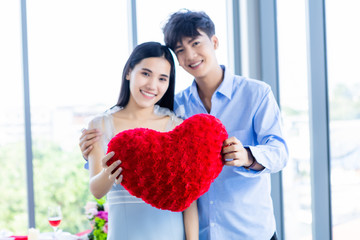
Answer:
(215, 41)
(127, 77)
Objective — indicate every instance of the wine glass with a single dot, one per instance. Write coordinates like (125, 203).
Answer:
(54, 217)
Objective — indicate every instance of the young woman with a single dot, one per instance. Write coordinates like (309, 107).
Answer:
(146, 100)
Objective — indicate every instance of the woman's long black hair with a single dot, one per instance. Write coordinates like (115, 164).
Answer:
(142, 51)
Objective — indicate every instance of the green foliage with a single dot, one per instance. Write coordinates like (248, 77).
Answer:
(100, 203)
(288, 111)
(13, 205)
(98, 233)
(345, 102)
(59, 178)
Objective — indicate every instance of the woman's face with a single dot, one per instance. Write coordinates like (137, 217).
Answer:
(149, 80)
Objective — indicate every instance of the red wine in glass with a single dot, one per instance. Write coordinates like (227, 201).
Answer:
(54, 217)
(54, 221)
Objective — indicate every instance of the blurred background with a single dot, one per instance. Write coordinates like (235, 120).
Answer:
(61, 64)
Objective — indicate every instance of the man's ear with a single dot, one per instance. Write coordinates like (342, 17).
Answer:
(215, 41)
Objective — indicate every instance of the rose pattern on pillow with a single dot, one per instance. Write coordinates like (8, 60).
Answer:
(170, 170)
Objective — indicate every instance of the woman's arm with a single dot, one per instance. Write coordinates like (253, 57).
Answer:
(87, 139)
(102, 177)
(191, 222)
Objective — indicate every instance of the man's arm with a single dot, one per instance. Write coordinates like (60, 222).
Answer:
(271, 150)
(270, 154)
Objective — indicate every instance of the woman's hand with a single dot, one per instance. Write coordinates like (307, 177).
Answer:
(114, 170)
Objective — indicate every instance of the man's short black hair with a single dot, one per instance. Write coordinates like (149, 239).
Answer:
(186, 23)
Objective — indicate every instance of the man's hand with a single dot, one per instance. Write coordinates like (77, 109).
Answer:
(87, 139)
(241, 157)
(233, 149)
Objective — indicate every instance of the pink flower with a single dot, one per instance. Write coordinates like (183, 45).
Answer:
(103, 215)
(105, 228)
(90, 205)
(91, 209)
(91, 213)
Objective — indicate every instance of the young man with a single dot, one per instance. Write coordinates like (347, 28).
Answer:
(238, 204)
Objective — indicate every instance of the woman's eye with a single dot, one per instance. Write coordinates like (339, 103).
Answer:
(146, 74)
(179, 51)
(163, 79)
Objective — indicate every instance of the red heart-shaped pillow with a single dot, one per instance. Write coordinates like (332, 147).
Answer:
(169, 170)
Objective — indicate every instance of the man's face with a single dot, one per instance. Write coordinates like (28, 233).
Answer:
(197, 54)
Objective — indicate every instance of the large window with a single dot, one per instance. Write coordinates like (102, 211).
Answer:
(77, 50)
(75, 72)
(343, 50)
(293, 82)
(76, 53)
(13, 205)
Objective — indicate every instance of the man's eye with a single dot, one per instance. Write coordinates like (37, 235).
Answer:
(196, 43)
(146, 74)
(179, 51)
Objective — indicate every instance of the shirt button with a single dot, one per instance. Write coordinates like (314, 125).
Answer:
(212, 224)
(211, 202)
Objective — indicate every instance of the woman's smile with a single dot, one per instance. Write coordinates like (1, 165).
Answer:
(147, 94)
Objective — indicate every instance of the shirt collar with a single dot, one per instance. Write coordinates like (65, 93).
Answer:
(225, 87)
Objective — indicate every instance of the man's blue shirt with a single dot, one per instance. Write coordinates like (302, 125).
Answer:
(238, 204)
